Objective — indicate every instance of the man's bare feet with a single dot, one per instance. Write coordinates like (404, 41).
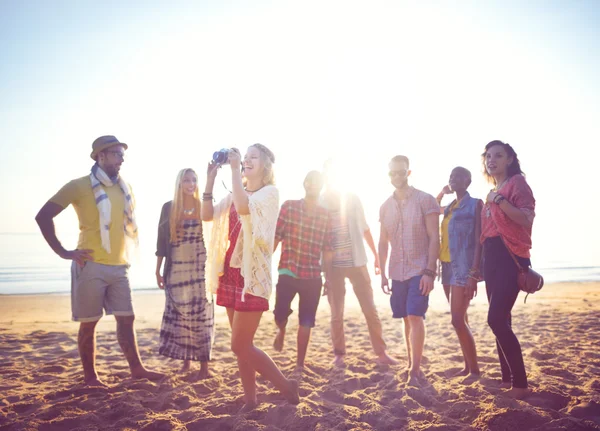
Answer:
(517, 393)
(472, 377)
(462, 373)
(279, 338)
(413, 381)
(338, 361)
(248, 407)
(142, 373)
(187, 366)
(385, 359)
(95, 382)
(291, 394)
(505, 385)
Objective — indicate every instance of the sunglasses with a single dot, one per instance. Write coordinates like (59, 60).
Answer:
(118, 154)
(400, 173)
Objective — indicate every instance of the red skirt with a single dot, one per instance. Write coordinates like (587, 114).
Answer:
(231, 283)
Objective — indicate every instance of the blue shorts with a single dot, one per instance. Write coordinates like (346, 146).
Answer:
(406, 298)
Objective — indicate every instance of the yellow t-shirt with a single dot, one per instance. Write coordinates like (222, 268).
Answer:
(445, 245)
(79, 193)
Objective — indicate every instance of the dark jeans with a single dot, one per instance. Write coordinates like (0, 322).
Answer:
(500, 274)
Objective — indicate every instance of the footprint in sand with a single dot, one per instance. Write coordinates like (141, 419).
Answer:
(204, 388)
(594, 385)
(542, 356)
(512, 419)
(74, 392)
(589, 410)
(25, 407)
(333, 396)
(420, 397)
(55, 369)
(547, 399)
(70, 423)
(144, 385)
(464, 411)
(557, 372)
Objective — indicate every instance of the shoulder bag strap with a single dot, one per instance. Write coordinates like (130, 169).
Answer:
(511, 253)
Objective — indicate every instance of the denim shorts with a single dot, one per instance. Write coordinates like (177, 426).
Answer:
(449, 277)
(96, 287)
(406, 299)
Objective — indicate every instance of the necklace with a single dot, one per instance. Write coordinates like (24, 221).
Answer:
(189, 212)
(499, 186)
(254, 191)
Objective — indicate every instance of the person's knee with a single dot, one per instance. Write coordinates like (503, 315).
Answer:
(308, 324)
(281, 319)
(497, 322)
(281, 324)
(458, 321)
(88, 326)
(415, 320)
(125, 320)
(240, 348)
(337, 318)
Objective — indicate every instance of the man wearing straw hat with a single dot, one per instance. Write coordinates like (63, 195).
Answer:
(99, 272)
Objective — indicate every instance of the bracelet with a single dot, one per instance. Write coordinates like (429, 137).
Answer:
(207, 196)
(428, 272)
(498, 199)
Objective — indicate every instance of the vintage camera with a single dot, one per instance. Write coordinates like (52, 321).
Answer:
(220, 157)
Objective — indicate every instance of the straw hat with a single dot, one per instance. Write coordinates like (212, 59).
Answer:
(104, 142)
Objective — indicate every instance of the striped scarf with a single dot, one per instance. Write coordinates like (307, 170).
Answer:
(99, 178)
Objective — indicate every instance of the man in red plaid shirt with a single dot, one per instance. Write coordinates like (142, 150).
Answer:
(304, 230)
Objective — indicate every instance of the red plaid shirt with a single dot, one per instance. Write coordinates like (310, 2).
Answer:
(304, 236)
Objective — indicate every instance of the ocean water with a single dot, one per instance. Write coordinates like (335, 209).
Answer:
(29, 266)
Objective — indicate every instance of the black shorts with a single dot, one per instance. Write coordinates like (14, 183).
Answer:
(309, 292)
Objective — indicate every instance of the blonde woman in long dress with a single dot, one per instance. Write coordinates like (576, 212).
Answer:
(187, 330)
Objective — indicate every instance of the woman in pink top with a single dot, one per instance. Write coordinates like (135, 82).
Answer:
(506, 221)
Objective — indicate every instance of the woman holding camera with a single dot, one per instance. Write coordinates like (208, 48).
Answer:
(187, 330)
(238, 267)
(506, 222)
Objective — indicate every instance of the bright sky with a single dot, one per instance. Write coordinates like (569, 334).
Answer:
(360, 81)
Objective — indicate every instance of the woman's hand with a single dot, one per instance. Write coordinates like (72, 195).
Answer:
(471, 288)
(235, 159)
(377, 267)
(385, 284)
(490, 197)
(160, 281)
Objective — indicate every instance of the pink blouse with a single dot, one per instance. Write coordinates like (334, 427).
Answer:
(494, 222)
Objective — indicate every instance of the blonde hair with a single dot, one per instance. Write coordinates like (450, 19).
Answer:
(175, 219)
(268, 159)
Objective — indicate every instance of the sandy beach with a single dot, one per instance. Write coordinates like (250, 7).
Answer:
(41, 379)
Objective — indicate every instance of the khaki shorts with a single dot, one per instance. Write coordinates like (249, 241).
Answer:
(95, 287)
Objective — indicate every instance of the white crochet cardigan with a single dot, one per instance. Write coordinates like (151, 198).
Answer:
(254, 248)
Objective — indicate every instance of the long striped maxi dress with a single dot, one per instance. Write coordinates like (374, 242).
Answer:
(187, 330)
